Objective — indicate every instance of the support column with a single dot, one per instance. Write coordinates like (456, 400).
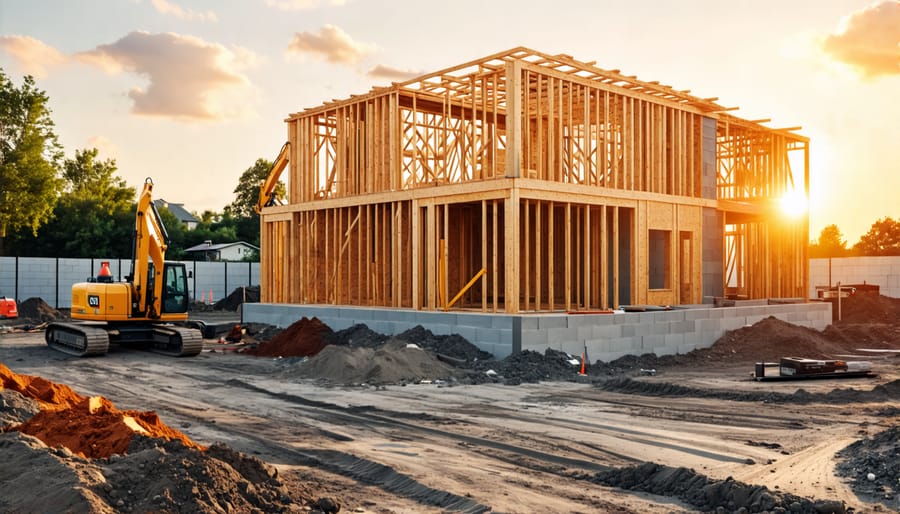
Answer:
(511, 250)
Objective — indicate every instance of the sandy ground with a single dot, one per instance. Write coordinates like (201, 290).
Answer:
(527, 448)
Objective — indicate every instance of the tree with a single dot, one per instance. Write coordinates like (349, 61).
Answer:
(29, 158)
(247, 190)
(883, 238)
(88, 178)
(94, 215)
(831, 243)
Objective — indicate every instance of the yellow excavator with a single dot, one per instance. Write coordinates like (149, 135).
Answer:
(267, 196)
(143, 311)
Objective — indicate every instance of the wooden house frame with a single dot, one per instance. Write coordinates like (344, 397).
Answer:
(527, 182)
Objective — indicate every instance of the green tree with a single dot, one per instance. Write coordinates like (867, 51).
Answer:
(247, 190)
(89, 178)
(93, 217)
(29, 158)
(831, 243)
(883, 238)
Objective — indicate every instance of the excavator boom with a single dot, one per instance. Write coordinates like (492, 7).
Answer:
(150, 243)
(267, 190)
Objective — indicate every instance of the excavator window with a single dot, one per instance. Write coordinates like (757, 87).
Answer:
(175, 298)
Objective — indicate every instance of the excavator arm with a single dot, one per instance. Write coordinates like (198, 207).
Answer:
(150, 243)
(267, 190)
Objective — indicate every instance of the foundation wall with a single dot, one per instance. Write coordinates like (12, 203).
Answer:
(605, 336)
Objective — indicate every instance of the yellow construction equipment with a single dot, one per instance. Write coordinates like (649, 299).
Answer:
(267, 190)
(142, 310)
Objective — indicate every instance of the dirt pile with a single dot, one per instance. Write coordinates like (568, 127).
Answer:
(395, 362)
(873, 466)
(304, 338)
(768, 340)
(238, 297)
(89, 427)
(710, 495)
(527, 367)
(37, 310)
(454, 346)
(64, 452)
(869, 308)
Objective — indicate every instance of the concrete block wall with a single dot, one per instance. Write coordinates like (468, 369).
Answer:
(51, 278)
(606, 337)
(493, 333)
(884, 271)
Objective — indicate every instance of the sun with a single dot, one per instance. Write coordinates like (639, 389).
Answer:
(794, 204)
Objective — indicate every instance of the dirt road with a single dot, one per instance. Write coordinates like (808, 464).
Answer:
(434, 448)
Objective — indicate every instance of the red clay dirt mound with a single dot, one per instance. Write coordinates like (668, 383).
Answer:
(869, 308)
(89, 427)
(304, 338)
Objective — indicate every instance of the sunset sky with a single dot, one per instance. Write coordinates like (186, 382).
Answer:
(191, 93)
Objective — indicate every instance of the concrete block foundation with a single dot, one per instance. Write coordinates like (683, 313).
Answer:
(606, 337)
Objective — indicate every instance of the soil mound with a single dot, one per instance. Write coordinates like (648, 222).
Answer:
(71, 453)
(707, 494)
(154, 476)
(37, 310)
(89, 427)
(238, 297)
(454, 346)
(876, 455)
(358, 336)
(869, 308)
(768, 340)
(304, 338)
(393, 363)
(881, 393)
(527, 367)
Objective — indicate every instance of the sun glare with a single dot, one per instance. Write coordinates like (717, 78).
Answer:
(794, 204)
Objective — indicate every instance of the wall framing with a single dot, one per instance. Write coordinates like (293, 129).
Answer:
(547, 172)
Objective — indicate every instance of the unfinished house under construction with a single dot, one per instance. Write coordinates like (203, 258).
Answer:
(532, 183)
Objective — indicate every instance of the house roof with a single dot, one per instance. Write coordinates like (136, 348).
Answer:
(178, 210)
(210, 247)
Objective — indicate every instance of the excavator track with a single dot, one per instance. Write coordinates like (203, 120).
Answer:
(176, 341)
(80, 340)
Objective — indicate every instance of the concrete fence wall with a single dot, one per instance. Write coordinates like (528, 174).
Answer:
(883, 271)
(51, 278)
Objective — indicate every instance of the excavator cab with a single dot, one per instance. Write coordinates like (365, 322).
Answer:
(175, 291)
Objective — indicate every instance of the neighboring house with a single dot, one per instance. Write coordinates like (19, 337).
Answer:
(187, 219)
(236, 251)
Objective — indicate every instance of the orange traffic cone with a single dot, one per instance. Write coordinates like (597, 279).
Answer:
(105, 275)
(210, 297)
(582, 364)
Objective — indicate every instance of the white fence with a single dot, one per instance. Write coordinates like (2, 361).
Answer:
(51, 278)
(882, 271)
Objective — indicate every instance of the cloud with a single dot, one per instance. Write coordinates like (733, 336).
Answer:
(166, 7)
(189, 79)
(104, 145)
(330, 43)
(869, 40)
(34, 56)
(299, 5)
(381, 71)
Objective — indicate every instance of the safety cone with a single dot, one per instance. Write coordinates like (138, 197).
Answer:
(105, 275)
(582, 364)
(210, 297)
